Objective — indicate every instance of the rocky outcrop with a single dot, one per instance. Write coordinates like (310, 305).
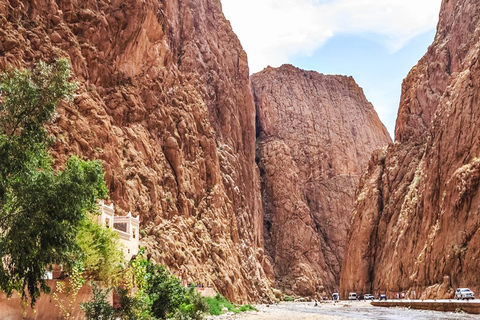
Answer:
(164, 100)
(417, 215)
(315, 134)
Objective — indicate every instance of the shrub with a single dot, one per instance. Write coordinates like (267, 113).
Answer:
(289, 298)
(98, 308)
(130, 305)
(162, 295)
(165, 291)
(101, 251)
(216, 305)
(247, 307)
(196, 305)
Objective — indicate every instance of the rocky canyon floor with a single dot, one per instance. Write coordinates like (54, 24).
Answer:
(343, 310)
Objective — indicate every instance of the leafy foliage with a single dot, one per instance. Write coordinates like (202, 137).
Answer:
(99, 308)
(150, 291)
(65, 295)
(165, 290)
(100, 251)
(160, 295)
(247, 307)
(194, 308)
(130, 306)
(40, 208)
(216, 305)
(31, 97)
(136, 281)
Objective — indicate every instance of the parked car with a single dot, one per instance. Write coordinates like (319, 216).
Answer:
(335, 296)
(352, 296)
(383, 297)
(464, 293)
(368, 296)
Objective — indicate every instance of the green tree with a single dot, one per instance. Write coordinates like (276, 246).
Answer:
(130, 307)
(40, 208)
(162, 295)
(100, 251)
(165, 290)
(98, 308)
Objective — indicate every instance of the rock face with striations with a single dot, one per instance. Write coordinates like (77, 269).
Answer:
(417, 214)
(165, 101)
(315, 134)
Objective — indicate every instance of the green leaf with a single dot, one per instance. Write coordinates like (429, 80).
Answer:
(41, 210)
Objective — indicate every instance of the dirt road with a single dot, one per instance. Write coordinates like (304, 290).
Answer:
(342, 310)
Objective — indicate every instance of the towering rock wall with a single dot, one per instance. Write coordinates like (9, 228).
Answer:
(164, 100)
(417, 211)
(315, 134)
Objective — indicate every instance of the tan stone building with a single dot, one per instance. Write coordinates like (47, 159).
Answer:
(127, 228)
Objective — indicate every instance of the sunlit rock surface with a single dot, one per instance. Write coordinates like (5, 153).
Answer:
(315, 134)
(416, 219)
(164, 100)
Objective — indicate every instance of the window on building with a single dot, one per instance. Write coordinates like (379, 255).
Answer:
(122, 226)
(128, 251)
(107, 222)
(133, 233)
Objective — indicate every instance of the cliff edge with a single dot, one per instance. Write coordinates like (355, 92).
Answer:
(165, 102)
(416, 218)
(315, 134)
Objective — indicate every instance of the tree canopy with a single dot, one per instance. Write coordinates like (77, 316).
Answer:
(41, 209)
(100, 251)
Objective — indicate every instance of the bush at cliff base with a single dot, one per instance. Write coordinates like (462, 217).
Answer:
(99, 307)
(151, 292)
(219, 302)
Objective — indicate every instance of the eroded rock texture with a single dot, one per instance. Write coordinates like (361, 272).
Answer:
(165, 102)
(315, 134)
(417, 214)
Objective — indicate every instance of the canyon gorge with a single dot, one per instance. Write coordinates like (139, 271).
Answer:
(416, 217)
(248, 183)
(164, 101)
(315, 135)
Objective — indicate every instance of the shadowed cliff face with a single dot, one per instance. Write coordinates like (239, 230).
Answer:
(315, 134)
(416, 218)
(165, 102)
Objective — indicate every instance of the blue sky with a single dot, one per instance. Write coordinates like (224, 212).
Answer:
(375, 41)
(379, 72)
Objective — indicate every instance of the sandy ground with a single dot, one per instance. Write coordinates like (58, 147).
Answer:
(341, 310)
(286, 311)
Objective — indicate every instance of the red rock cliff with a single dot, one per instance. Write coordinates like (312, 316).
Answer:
(315, 134)
(416, 219)
(165, 102)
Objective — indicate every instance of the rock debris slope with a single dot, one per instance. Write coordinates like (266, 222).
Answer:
(315, 134)
(165, 102)
(417, 214)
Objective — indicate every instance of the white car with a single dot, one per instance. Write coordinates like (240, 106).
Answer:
(464, 293)
(352, 296)
(368, 296)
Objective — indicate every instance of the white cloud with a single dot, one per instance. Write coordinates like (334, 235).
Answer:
(271, 31)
